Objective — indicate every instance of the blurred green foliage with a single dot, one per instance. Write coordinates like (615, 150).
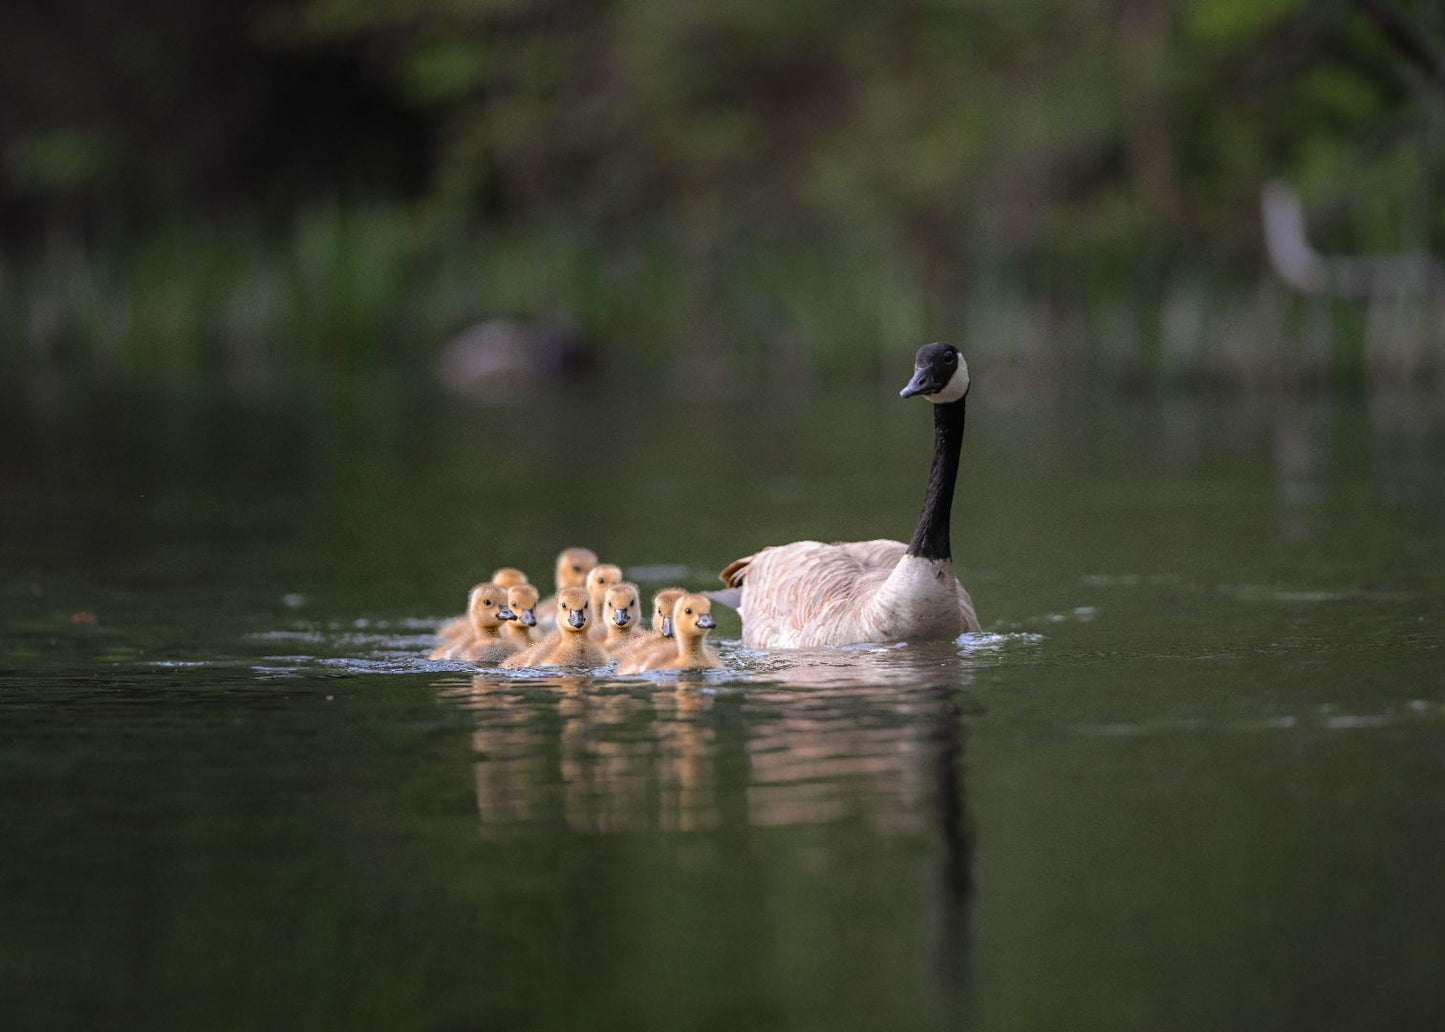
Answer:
(817, 176)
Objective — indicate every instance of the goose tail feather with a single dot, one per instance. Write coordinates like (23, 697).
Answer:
(735, 571)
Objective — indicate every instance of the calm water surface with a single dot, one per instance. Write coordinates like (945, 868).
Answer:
(1192, 774)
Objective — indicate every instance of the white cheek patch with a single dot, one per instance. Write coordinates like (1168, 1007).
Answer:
(955, 388)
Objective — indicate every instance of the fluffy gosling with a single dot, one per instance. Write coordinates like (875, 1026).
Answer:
(622, 613)
(660, 636)
(573, 566)
(569, 645)
(522, 601)
(691, 622)
(486, 611)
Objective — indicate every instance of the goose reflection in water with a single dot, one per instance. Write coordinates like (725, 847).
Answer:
(805, 738)
(792, 739)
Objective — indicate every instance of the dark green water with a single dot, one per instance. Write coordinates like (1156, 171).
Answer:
(1192, 776)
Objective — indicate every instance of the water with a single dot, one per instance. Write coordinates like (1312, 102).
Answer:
(1192, 774)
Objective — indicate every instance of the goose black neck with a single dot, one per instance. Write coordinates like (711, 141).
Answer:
(930, 540)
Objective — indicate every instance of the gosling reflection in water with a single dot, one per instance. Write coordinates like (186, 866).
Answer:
(814, 739)
(602, 762)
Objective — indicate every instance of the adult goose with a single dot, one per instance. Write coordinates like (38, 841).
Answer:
(809, 594)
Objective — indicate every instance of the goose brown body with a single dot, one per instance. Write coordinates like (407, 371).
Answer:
(809, 594)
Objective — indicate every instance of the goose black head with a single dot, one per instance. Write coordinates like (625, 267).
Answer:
(939, 374)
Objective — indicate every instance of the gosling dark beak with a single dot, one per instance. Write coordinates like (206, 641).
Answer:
(922, 383)
(667, 627)
(619, 617)
(577, 618)
(506, 614)
(706, 622)
(529, 618)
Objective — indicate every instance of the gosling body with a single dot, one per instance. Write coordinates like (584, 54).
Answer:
(487, 612)
(621, 617)
(660, 636)
(573, 566)
(691, 622)
(522, 601)
(569, 645)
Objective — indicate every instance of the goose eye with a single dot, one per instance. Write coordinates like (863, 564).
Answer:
(688, 612)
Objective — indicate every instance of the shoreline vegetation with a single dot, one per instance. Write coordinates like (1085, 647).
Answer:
(1085, 197)
(368, 288)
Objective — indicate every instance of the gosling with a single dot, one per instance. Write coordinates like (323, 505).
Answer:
(503, 577)
(601, 577)
(622, 609)
(660, 637)
(486, 611)
(691, 622)
(522, 601)
(573, 566)
(569, 645)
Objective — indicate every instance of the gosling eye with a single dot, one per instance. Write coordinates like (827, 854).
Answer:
(688, 612)
(576, 569)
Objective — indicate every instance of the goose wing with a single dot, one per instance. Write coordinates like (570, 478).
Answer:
(809, 593)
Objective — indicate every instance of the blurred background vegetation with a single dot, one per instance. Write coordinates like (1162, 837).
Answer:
(254, 194)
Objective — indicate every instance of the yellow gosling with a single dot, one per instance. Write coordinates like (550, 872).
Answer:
(569, 645)
(487, 611)
(461, 626)
(522, 601)
(458, 627)
(602, 577)
(573, 566)
(622, 616)
(691, 622)
(660, 637)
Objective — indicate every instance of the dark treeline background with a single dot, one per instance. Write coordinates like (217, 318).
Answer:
(243, 191)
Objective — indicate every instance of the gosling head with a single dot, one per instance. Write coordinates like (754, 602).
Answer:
(573, 565)
(522, 601)
(508, 577)
(662, 604)
(939, 374)
(622, 606)
(692, 617)
(487, 606)
(600, 579)
(573, 609)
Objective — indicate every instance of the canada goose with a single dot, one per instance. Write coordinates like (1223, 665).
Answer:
(487, 611)
(621, 611)
(522, 601)
(570, 644)
(573, 566)
(599, 579)
(691, 621)
(808, 594)
(660, 637)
